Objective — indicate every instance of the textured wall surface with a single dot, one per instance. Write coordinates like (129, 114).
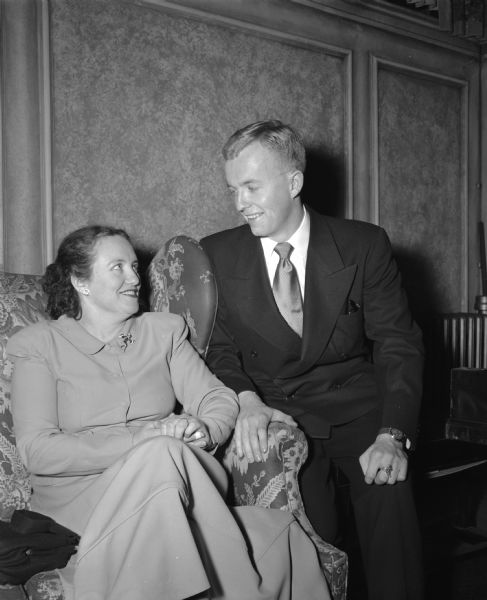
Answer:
(143, 101)
(144, 98)
(420, 184)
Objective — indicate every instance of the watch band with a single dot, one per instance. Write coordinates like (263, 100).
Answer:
(398, 435)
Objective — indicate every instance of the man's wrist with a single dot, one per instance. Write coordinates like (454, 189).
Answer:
(397, 435)
(248, 397)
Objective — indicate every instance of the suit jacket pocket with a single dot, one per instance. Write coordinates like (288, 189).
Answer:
(348, 336)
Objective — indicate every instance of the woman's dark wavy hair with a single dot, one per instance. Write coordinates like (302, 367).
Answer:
(75, 257)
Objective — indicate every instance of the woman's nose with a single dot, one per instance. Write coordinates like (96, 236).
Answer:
(133, 276)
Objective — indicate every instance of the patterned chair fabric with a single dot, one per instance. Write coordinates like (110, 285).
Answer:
(181, 281)
(21, 303)
(178, 274)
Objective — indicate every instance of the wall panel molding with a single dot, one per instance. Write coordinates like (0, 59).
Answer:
(466, 269)
(393, 19)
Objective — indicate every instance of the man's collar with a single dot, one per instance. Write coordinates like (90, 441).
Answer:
(299, 239)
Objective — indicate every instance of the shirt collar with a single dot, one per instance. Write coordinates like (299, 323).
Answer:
(72, 330)
(299, 239)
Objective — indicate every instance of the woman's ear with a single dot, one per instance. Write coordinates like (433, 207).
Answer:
(296, 180)
(80, 285)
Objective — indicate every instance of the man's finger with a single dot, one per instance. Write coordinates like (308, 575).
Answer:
(237, 436)
(281, 417)
(247, 445)
(263, 438)
(382, 476)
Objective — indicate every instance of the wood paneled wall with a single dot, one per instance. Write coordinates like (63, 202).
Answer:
(145, 92)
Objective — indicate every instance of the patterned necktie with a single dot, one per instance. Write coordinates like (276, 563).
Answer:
(286, 289)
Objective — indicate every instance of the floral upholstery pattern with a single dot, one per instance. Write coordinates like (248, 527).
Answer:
(182, 282)
(21, 303)
(274, 484)
(178, 274)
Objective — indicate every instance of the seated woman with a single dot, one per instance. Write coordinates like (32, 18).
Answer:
(94, 397)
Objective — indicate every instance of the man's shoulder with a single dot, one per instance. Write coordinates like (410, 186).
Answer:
(222, 237)
(347, 229)
(227, 243)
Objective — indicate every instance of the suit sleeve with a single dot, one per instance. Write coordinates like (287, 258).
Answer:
(223, 356)
(397, 340)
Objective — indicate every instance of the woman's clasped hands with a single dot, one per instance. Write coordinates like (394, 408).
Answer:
(184, 427)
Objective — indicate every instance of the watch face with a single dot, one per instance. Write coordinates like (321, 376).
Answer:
(398, 435)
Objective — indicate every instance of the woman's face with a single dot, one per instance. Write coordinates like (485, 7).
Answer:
(114, 285)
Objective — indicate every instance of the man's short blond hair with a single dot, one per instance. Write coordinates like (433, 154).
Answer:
(275, 135)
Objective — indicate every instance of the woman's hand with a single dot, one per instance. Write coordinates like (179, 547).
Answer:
(184, 427)
(187, 428)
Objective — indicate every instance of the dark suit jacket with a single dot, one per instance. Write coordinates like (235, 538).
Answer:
(360, 348)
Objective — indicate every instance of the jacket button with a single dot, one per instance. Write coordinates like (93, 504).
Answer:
(253, 354)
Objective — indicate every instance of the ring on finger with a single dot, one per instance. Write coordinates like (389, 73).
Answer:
(387, 470)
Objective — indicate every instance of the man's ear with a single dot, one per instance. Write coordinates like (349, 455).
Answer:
(296, 180)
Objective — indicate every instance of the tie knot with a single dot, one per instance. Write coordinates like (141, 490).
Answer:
(284, 249)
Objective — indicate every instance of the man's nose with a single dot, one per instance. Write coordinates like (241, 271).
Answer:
(240, 201)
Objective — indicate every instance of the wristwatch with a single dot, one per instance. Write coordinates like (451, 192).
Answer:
(398, 435)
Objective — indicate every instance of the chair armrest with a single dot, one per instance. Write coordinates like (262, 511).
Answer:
(274, 483)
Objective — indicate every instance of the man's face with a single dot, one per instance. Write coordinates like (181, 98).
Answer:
(265, 191)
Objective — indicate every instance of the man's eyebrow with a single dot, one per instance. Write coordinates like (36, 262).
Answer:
(247, 181)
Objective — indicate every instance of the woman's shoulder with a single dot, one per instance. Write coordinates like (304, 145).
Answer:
(161, 321)
(29, 338)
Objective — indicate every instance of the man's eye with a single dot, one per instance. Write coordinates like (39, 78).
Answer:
(252, 188)
(117, 266)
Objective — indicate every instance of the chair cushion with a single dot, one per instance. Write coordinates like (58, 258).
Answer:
(21, 303)
(181, 282)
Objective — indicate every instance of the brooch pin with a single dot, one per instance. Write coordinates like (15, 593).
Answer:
(125, 340)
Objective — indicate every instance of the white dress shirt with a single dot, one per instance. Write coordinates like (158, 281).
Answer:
(299, 241)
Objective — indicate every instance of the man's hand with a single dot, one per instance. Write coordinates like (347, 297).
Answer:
(377, 460)
(251, 429)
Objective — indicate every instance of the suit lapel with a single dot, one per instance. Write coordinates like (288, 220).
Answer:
(328, 283)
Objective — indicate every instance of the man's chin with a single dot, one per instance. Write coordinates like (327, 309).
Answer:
(257, 229)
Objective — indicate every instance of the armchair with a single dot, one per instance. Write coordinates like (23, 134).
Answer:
(181, 281)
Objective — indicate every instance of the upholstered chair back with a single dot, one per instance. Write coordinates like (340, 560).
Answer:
(181, 282)
(21, 303)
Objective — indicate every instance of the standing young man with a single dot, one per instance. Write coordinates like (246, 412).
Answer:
(313, 327)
